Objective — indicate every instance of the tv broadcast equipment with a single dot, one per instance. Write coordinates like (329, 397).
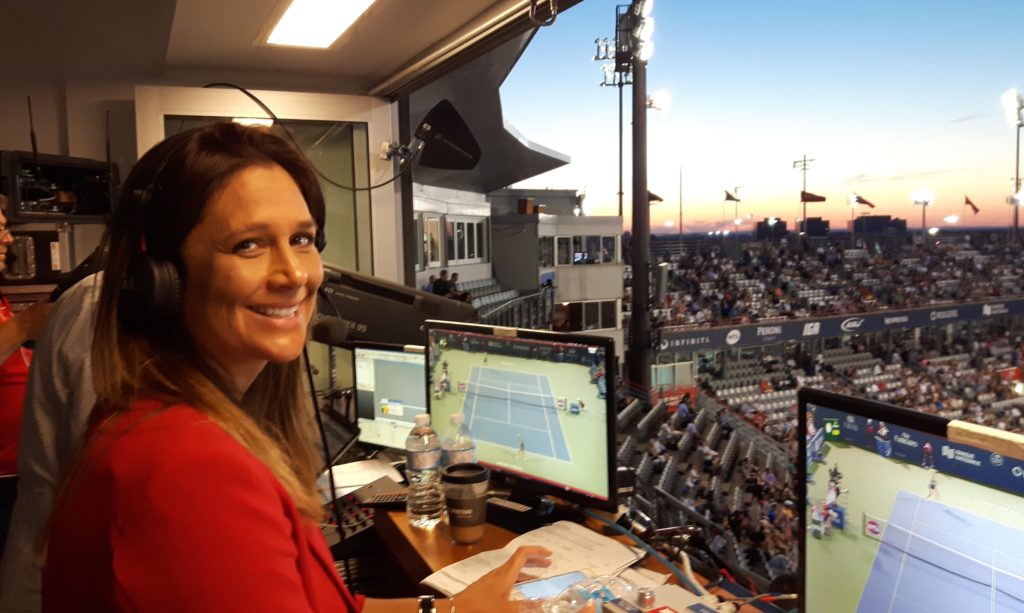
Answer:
(379, 311)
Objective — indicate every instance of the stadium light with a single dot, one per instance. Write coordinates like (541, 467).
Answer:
(951, 219)
(660, 100)
(933, 231)
(923, 198)
(669, 223)
(1012, 105)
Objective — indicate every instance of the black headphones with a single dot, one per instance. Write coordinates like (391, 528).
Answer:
(151, 289)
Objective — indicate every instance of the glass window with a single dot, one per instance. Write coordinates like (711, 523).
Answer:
(593, 249)
(450, 236)
(591, 315)
(433, 240)
(575, 316)
(564, 251)
(608, 254)
(545, 251)
(480, 240)
(460, 240)
(579, 256)
(421, 253)
(471, 240)
(608, 319)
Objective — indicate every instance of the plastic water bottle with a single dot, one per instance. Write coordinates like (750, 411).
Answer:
(425, 503)
(457, 442)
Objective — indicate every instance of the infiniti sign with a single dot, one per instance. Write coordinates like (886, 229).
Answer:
(851, 324)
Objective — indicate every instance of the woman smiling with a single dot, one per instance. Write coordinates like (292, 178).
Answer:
(195, 490)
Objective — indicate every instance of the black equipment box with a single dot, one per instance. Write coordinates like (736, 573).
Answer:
(55, 187)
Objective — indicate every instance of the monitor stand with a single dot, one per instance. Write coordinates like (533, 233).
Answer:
(525, 510)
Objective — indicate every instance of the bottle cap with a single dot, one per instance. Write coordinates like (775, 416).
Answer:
(423, 419)
(457, 418)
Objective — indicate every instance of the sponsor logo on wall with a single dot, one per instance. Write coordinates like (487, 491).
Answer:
(941, 315)
(898, 319)
(733, 336)
(852, 324)
(812, 328)
(988, 310)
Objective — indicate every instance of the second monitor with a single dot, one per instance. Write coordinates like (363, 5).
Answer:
(537, 403)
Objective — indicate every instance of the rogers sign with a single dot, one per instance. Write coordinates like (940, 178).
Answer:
(940, 315)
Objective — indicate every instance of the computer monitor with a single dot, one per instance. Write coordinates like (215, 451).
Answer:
(380, 311)
(540, 405)
(907, 511)
(389, 392)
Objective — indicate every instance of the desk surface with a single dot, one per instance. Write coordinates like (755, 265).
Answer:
(424, 552)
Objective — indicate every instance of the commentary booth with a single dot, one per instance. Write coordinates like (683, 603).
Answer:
(542, 405)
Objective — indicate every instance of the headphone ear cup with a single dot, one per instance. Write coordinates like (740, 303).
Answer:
(152, 293)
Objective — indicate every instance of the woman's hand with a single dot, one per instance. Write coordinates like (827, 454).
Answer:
(491, 592)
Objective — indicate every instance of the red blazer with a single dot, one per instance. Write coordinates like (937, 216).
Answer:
(166, 512)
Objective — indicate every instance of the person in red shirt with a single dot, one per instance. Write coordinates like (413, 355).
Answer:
(195, 490)
(15, 330)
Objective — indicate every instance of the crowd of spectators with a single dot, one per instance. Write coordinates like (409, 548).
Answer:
(749, 501)
(769, 281)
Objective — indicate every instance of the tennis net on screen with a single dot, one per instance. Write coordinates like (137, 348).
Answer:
(505, 393)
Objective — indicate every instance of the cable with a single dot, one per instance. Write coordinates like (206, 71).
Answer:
(680, 576)
(291, 137)
(323, 440)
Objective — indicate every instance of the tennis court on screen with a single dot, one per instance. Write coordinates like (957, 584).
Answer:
(516, 410)
(934, 557)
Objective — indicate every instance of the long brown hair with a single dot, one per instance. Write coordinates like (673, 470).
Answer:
(162, 200)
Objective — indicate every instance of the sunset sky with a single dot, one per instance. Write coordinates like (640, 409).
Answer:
(886, 96)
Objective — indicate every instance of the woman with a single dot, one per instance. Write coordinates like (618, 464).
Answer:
(15, 329)
(195, 490)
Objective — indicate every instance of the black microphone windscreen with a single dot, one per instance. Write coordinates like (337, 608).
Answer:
(331, 331)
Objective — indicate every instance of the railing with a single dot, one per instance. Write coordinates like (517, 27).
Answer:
(535, 311)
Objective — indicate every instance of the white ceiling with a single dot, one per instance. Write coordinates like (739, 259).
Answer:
(196, 40)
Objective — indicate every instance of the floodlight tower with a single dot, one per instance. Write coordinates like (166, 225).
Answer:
(1013, 103)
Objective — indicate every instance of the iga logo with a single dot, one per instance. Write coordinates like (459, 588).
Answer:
(851, 324)
(812, 329)
(733, 337)
(995, 459)
(873, 528)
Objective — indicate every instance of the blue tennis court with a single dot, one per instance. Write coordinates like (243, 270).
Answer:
(934, 557)
(514, 409)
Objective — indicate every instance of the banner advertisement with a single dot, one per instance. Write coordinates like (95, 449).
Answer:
(723, 337)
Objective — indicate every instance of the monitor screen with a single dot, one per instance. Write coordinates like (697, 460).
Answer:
(537, 403)
(900, 517)
(389, 393)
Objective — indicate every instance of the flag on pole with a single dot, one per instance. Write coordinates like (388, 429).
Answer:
(809, 197)
(967, 201)
(730, 198)
(858, 199)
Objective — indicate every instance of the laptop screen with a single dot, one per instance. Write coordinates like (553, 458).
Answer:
(900, 519)
(390, 391)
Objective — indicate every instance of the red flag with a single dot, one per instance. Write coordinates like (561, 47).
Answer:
(730, 198)
(857, 199)
(967, 201)
(809, 197)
